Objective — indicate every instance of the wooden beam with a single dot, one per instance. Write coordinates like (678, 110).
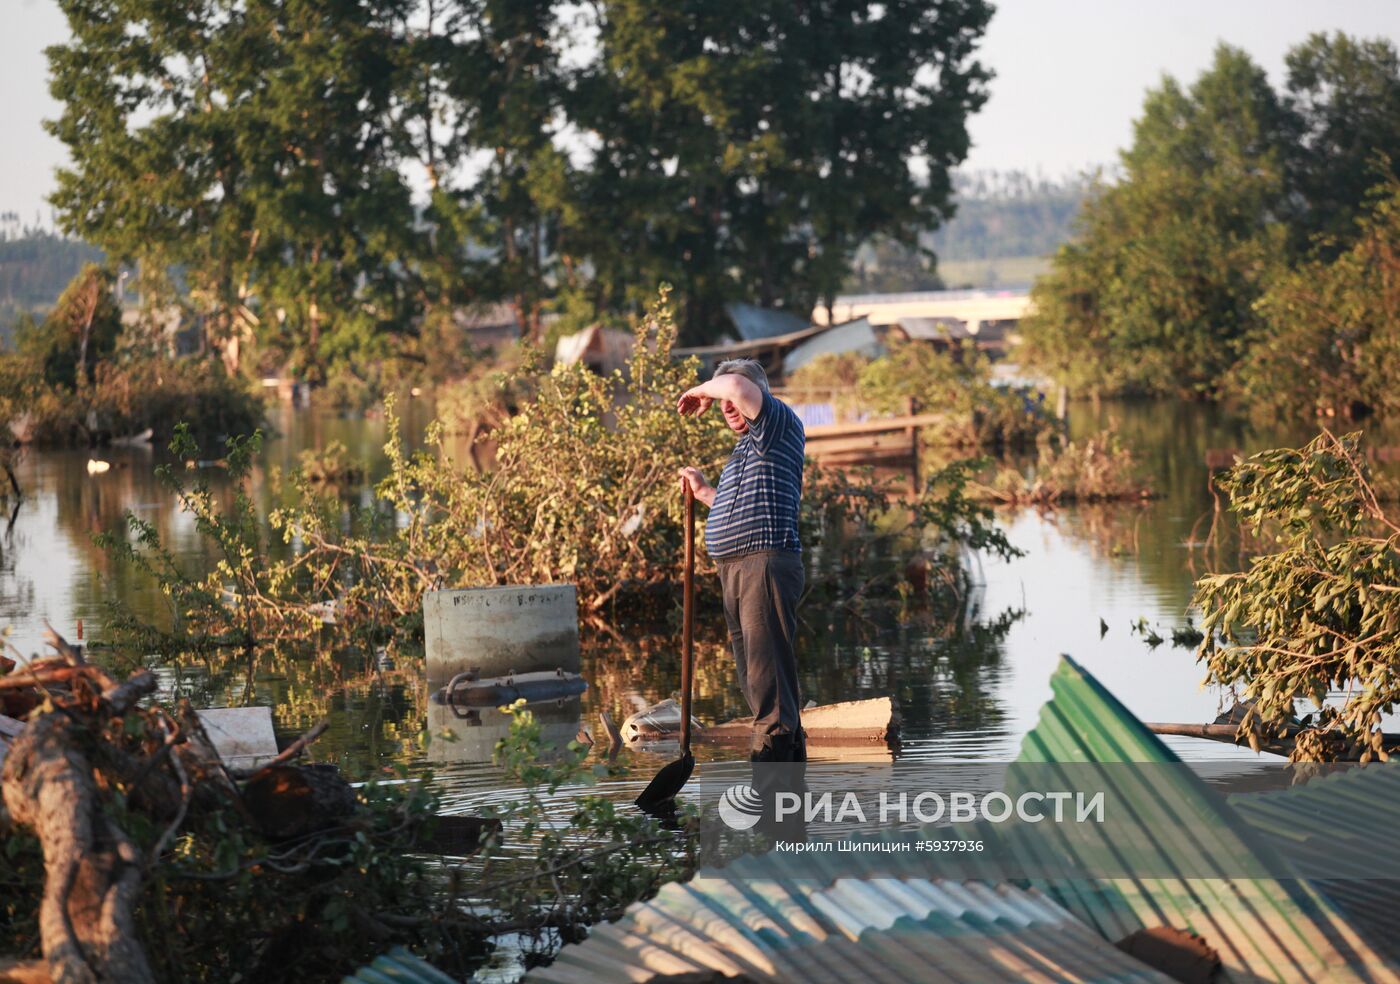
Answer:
(875, 426)
(869, 444)
(873, 719)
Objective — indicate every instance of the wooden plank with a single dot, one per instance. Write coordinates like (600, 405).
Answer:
(875, 426)
(871, 443)
(873, 719)
(851, 722)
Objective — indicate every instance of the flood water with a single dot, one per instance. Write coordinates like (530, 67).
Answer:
(968, 690)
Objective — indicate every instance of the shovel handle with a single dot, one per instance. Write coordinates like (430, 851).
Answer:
(688, 619)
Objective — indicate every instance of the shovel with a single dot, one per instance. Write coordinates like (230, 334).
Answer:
(668, 782)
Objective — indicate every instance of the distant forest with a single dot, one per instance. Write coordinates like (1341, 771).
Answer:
(35, 266)
(1001, 216)
(1004, 214)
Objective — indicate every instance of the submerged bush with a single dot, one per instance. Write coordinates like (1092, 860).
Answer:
(1097, 469)
(126, 398)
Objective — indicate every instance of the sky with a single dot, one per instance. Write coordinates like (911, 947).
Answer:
(1070, 75)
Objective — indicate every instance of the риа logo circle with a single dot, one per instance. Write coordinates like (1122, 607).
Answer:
(740, 807)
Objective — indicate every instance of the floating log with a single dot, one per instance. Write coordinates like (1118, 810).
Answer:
(1229, 734)
(869, 721)
(467, 689)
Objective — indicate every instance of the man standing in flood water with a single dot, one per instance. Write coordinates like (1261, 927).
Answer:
(752, 536)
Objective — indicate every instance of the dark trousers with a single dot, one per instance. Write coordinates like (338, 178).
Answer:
(760, 604)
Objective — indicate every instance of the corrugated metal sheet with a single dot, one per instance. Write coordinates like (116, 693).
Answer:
(777, 917)
(852, 930)
(1264, 929)
(854, 336)
(814, 414)
(1335, 823)
(935, 329)
(753, 322)
(398, 966)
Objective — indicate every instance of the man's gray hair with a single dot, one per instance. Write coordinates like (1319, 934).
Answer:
(750, 369)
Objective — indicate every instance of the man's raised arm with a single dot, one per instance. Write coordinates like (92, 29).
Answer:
(732, 387)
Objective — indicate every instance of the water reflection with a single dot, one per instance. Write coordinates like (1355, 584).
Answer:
(470, 734)
(968, 687)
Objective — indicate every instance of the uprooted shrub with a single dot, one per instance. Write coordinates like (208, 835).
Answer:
(1318, 613)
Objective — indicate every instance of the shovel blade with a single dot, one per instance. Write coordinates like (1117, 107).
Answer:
(667, 783)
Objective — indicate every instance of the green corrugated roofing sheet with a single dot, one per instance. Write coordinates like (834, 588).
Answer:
(774, 918)
(1335, 823)
(852, 930)
(1264, 929)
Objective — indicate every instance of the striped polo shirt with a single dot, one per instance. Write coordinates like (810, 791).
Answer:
(759, 491)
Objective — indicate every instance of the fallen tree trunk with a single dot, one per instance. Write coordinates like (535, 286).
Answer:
(92, 868)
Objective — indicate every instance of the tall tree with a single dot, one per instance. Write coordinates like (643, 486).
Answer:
(1173, 256)
(1344, 95)
(246, 144)
(1329, 345)
(746, 149)
(80, 331)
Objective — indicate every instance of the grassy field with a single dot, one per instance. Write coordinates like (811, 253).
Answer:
(1006, 271)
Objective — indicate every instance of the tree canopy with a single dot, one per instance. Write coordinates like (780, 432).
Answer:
(1228, 184)
(326, 179)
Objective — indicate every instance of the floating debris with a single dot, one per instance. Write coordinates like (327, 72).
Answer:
(471, 690)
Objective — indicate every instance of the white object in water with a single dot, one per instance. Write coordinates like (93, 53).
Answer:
(96, 466)
(242, 736)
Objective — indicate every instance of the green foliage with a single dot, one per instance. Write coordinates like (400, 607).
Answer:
(584, 486)
(1330, 345)
(79, 378)
(249, 146)
(128, 398)
(1158, 289)
(1220, 192)
(1317, 618)
(956, 383)
(261, 149)
(78, 333)
(584, 866)
(1344, 95)
(744, 155)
